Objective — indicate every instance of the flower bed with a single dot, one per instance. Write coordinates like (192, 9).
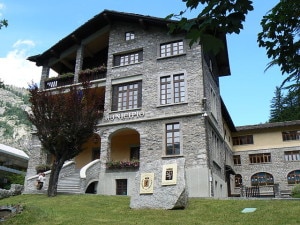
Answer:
(123, 164)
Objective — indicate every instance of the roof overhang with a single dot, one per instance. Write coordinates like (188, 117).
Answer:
(106, 18)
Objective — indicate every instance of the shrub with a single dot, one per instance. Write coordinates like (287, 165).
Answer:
(296, 191)
(42, 168)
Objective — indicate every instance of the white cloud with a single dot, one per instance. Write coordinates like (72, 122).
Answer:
(15, 69)
(2, 6)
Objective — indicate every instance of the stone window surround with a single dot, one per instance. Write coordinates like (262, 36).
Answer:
(171, 56)
(138, 51)
(171, 73)
(164, 138)
(129, 35)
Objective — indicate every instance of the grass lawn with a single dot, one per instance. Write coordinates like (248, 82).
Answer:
(114, 210)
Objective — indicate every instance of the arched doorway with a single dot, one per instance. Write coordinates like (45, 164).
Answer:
(125, 146)
(92, 188)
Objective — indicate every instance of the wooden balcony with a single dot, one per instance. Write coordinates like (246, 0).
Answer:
(63, 80)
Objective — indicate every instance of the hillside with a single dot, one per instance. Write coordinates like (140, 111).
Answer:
(14, 125)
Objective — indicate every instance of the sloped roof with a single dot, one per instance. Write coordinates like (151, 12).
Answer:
(269, 125)
(108, 17)
(13, 151)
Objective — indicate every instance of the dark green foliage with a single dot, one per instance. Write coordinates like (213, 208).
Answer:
(12, 178)
(296, 191)
(280, 36)
(217, 17)
(8, 130)
(3, 23)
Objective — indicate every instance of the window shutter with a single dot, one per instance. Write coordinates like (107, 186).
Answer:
(114, 106)
(117, 60)
(140, 94)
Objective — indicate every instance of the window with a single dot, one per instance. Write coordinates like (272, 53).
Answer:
(172, 48)
(128, 58)
(294, 177)
(260, 158)
(292, 156)
(172, 89)
(121, 188)
(172, 139)
(291, 135)
(213, 104)
(262, 179)
(243, 140)
(96, 153)
(237, 160)
(129, 35)
(127, 96)
(238, 180)
(134, 153)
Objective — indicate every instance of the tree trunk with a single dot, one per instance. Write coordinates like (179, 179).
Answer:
(53, 180)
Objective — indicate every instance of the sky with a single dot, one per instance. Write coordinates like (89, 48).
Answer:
(35, 26)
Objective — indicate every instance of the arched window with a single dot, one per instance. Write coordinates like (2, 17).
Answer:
(262, 179)
(238, 180)
(293, 177)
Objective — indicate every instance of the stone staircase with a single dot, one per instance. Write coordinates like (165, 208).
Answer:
(69, 184)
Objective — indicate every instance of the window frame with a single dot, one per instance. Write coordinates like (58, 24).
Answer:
(129, 35)
(259, 158)
(128, 58)
(121, 186)
(238, 180)
(293, 135)
(237, 160)
(293, 177)
(171, 135)
(243, 140)
(265, 177)
(292, 155)
(117, 94)
(176, 48)
(172, 89)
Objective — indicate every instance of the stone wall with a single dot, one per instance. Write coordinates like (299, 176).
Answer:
(15, 189)
(278, 167)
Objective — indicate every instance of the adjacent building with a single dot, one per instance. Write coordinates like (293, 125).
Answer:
(162, 105)
(12, 161)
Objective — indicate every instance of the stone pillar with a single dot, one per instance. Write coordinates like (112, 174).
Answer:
(44, 76)
(243, 191)
(276, 191)
(79, 61)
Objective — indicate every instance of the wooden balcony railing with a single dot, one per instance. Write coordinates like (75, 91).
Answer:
(60, 81)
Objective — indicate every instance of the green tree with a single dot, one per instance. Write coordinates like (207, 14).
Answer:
(280, 34)
(285, 108)
(223, 16)
(64, 121)
(281, 37)
(276, 106)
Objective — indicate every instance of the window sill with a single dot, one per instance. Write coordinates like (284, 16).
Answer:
(260, 163)
(171, 56)
(172, 104)
(122, 66)
(172, 156)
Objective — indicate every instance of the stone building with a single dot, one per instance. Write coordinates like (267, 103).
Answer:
(165, 128)
(267, 154)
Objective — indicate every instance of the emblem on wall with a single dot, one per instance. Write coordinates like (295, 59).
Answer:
(169, 174)
(146, 183)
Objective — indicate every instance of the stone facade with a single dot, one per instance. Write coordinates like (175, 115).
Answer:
(202, 146)
(268, 139)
